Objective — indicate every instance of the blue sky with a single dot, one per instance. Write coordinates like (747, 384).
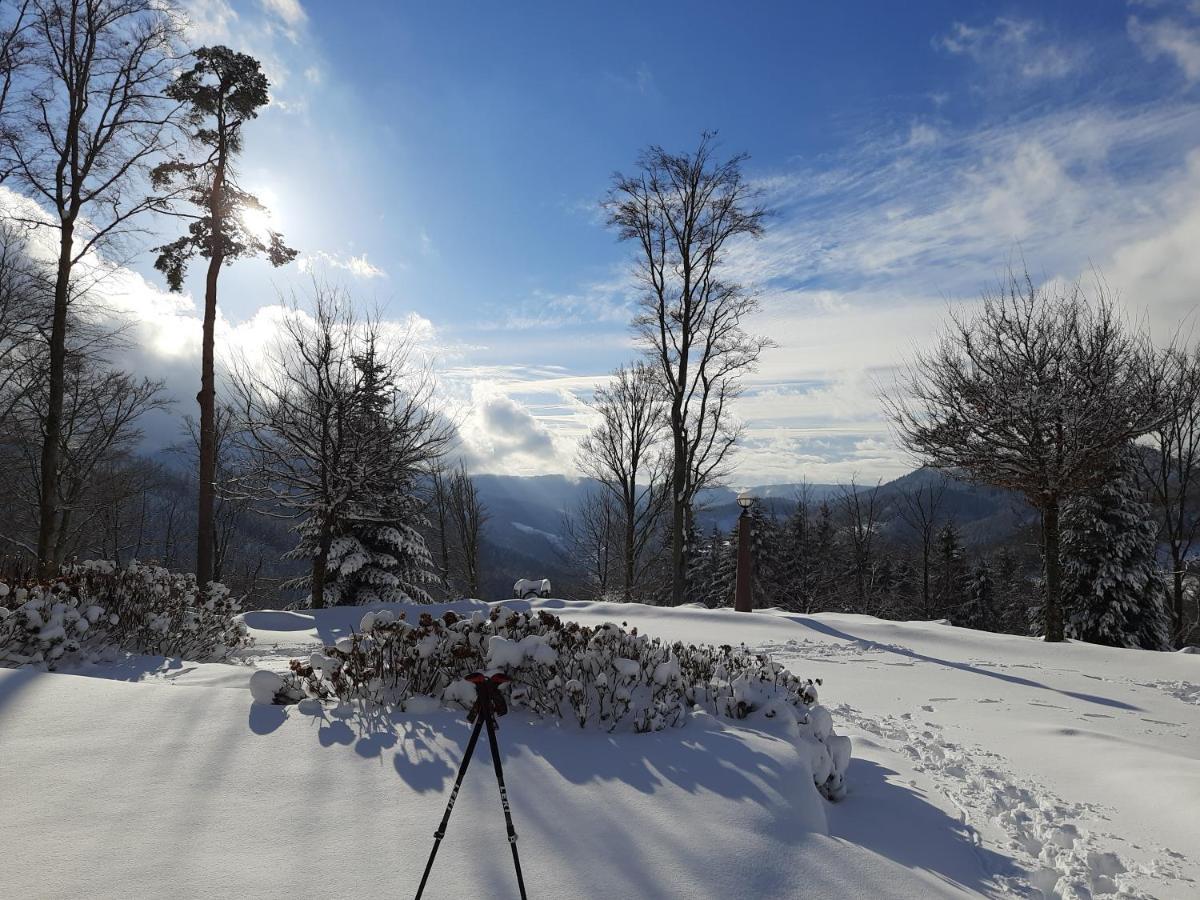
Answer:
(445, 162)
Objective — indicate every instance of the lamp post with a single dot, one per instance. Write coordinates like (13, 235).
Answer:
(743, 601)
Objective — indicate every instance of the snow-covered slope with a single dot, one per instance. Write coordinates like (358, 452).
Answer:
(982, 764)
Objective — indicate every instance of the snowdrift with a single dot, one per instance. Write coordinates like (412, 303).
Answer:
(983, 765)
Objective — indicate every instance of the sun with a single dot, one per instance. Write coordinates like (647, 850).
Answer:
(257, 222)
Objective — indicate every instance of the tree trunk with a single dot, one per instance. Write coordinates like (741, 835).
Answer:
(207, 396)
(58, 552)
(445, 548)
(925, 581)
(318, 567)
(48, 494)
(1053, 568)
(1177, 564)
(630, 513)
(678, 525)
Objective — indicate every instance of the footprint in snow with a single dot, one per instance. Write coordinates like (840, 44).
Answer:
(1061, 858)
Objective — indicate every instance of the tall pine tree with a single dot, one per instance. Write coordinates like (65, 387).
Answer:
(220, 93)
(1113, 590)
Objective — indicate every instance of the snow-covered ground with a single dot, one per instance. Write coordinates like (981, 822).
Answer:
(983, 764)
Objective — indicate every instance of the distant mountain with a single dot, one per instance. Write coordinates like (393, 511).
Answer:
(718, 506)
(523, 536)
(524, 532)
(982, 514)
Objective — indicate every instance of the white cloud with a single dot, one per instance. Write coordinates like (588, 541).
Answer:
(501, 435)
(209, 21)
(922, 135)
(1174, 40)
(860, 265)
(358, 266)
(1013, 49)
(290, 12)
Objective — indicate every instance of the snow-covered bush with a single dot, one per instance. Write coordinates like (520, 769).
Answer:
(50, 624)
(96, 606)
(166, 613)
(606, 676)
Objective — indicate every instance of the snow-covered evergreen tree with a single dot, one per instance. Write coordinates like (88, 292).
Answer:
(979, 609)
(378, 553)
(1113, 591)
(766, 554)
(805, 557)
(948, 566)
(712, 568)
(339, 433)
(1015, 593)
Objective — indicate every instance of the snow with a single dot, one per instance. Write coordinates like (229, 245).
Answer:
(264, 685)
(982, 764)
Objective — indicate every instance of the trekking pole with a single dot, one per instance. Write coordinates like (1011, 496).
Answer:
(441, 831)
(489, 703)
(512, 832)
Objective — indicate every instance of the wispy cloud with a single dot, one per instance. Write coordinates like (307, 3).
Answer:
(1171, 39)
(358, 266)
(290, 12)
(1010, 48)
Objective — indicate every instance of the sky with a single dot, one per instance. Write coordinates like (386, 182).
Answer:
(445, 163)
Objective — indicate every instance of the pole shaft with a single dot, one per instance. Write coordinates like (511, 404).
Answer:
(743, 601)
(512, 832)
(462, 771)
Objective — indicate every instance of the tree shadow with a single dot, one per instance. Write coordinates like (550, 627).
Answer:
(826, 629)
(132, 667)
(13, 681)
(741, 764)
(702, 755)
(895, 821)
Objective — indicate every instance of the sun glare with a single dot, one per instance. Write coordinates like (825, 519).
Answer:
(258, 223)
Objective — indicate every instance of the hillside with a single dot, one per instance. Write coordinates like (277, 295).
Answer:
(983, 765)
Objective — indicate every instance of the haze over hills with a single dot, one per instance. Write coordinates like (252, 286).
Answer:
(524, 534)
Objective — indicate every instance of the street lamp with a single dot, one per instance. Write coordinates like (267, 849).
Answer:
(743, 601)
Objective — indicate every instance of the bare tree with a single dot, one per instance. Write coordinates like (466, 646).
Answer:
(95, 121)
(439, 509)
(1035, 392)
(1173, 472)
(468, 515)
(920, 509)
(592, 538)
(24, 317)
(683, 210)
(861, 510)
(99, 431)
(622, 454)
(302, 426)
(15, 21)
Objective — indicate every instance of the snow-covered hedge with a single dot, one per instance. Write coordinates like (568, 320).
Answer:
(96, 607)
(606, 676)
